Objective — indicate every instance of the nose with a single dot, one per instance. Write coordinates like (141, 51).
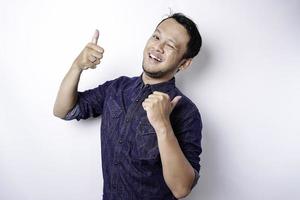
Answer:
(159, 46)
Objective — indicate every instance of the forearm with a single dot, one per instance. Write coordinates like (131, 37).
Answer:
(67, 94)
(177, 171)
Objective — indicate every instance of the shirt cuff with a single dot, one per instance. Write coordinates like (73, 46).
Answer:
(72, 114)
(195, 178)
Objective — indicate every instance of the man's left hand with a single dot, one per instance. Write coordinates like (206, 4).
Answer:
(159, 107)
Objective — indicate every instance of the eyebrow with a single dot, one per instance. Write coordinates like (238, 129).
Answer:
(170, 39)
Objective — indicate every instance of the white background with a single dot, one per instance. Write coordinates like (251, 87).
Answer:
(245, 83)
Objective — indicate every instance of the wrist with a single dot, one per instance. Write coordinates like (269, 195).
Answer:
(164, 127)
(76, 68)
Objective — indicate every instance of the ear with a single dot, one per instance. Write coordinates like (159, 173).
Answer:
(185, 64)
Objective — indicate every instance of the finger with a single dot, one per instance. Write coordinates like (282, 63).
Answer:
(155, 95)
(175, 101)
(95, 37)
(85, 67)
(92, 58)
(144, 106)
(148, 101)
(97, 62)
(95, 47)
(97, 54)
(152, 97)
(159, 97)
(161, 94)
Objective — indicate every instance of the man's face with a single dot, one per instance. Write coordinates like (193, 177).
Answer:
(164, 49)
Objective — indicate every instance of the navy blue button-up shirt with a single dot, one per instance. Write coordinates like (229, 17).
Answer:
(131, 163)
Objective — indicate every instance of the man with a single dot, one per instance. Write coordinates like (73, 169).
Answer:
(150, 131)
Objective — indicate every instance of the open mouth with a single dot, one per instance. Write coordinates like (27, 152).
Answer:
(155, 58)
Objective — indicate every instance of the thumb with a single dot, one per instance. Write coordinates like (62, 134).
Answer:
(95, 37)
(175, 101)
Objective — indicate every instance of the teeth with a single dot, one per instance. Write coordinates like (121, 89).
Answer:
(155, 58)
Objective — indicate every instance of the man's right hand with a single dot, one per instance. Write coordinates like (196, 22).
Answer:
(90, 56)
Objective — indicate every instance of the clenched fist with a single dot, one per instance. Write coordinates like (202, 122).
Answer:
(91, 55)
(158, 107)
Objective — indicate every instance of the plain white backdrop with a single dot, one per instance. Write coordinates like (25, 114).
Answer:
(245, 83)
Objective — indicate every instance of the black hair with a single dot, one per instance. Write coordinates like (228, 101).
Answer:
(195, 42)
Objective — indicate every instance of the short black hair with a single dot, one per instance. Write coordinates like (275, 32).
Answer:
(195, 42)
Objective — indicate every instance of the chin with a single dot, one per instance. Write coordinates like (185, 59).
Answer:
(153, 74)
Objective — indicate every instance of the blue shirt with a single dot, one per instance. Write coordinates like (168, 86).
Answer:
(131, 165)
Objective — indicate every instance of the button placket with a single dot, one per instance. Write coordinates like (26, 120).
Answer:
(120, 142)
(117, 157)
(116, 163)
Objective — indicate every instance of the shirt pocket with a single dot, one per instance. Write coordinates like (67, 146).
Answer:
(114, 108)
(112, 118)
(146, 147)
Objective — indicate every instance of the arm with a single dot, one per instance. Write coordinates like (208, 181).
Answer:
(177, 171)
(179, 174)
(67, 94)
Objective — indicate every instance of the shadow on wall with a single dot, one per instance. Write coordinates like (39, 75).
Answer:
(210, 172)
(200, 66)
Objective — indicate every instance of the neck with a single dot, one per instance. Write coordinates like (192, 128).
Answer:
(151, 81)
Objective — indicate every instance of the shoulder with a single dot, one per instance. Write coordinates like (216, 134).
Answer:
(185, 104)
(185, 109)
(120, 79)
(186, 118)
(121, 82)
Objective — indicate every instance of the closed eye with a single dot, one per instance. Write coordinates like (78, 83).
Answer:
(169, 45)
(155, 37)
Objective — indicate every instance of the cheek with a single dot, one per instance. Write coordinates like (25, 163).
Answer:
(145, 50)
(171, 57)
(147, 46)
(175, 55)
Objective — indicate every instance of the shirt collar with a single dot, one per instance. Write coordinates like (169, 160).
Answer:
(162, 87)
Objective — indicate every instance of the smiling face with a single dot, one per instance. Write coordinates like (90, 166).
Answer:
(163, 53)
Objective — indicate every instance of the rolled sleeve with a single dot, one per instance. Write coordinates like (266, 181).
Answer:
(89, 103)
(73, 113)
(189, 139)
(195, 178)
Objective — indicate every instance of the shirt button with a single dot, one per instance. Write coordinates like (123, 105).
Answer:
(120, 141)
(127, 120)
(137, 100)
(116, 163)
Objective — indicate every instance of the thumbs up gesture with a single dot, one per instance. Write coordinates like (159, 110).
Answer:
(91, 55)
(158, 107)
